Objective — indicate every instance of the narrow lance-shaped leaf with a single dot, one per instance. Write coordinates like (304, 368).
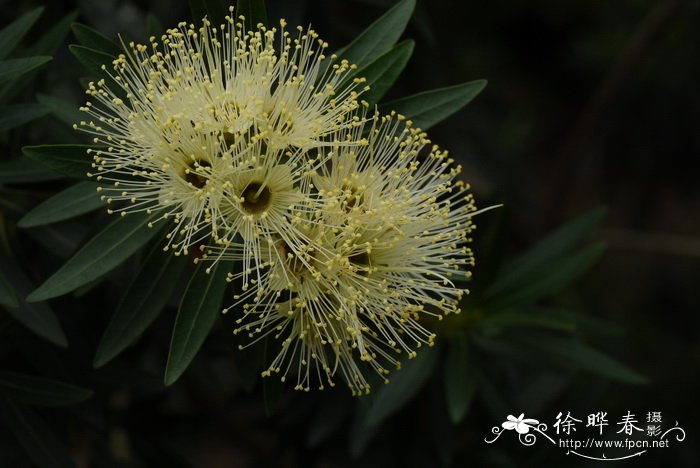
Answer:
(329, 417)
(379, 36)
(428, 108)
(93, 39)
(103, 253)
(8, 298)
(216, 11)
(200, 306)
(578, 355)
(555, 244)
(12, 69)
(74, 201)
(254, 11)
(382, 73)
(45, 45)
(12, 34)
(460, 378)
(40, 391)
(64, 110)
(22, 171)
(554, 319)
(93, 60)
(404, 385)
(70, 160)
(153, 25)
(144, 299)
(62, 239)
(39, 318)
(100, 65)
(35, 436)
(49, 42)
(198, 11)
(549, 280)
(15, 115)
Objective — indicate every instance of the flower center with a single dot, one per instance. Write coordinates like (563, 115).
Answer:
(256, 198)
(361, 262)
(191, 174)
(229, 138)
(353, 197)
(294, 264)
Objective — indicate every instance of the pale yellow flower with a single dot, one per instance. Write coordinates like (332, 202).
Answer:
(200, 111)
(376, 260)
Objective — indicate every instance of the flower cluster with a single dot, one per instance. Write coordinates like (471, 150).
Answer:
(346, 226)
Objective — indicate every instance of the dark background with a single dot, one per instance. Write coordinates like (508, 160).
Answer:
(588, 104)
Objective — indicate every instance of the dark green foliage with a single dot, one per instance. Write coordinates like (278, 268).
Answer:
(115, 352)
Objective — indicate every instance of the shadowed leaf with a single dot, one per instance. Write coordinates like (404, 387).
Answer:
(95, 40)
(40, 391)
(460, 379)
(404, 384)
(200, 306)
(144, 299)
(380, 36)
(74, 201)
(14, 115)
(382, 73)
(70, 160)
(38, 440)
(104, 252)
(431, 107)
(12, 69)
(12, 34)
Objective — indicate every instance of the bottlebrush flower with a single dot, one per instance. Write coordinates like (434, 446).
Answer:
(375, 260)
(185, 115)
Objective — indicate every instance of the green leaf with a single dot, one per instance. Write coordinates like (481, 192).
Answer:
(431, 107)
(93, 60)
(145, 298)
(46, 45)
(216, 11)
(405, 384)
(555, 244)
(13, 33)
(14, 115)
(103, 253)
(74, 201)
(153, 26)
(70, 160)
(99, 64)
(576, 354)
(550, 279)
(95, 40)
(65, 111)
(40, 391)
(14, 68)
(460, 379)
(554, 319)
(39, 318)
(61, 239)
(382, 73)
(21, 171)
(200, 306)
(254, 11)
(8, 298)
(35, 436)
(379, 36)
(51, 40)
(273, 389)
(198, 10)
(328, 418)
